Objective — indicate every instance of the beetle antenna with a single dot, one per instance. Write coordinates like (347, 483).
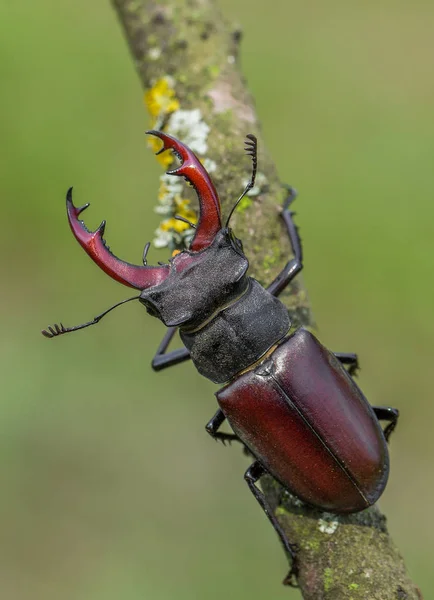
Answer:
(179, 218)
(251, 148)
(60, 329)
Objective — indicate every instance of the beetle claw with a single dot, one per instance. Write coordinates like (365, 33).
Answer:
(139, 277)
(82, 208)
(291, 577)
(194, 172)
(101, 229)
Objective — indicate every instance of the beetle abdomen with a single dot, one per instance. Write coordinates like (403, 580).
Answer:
(309, 424)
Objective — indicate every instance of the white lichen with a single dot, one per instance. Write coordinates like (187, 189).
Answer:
(210, 165)
(162, 238)
(328, 524)
(188, 126)
(172, 232)
(172, 239)
(154, 53)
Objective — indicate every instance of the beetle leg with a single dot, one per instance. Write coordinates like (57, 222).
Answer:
(387, 413)
(214, 425)
(295, 265)
(162, 360)
(350, 359)
(252, 475)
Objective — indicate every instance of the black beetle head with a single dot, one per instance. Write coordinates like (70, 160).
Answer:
(199, 284)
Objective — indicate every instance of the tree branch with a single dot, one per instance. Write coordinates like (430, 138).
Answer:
(187, 58)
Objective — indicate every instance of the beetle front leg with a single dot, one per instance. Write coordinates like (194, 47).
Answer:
(387, 413)
(252, 476)
(214, 425)
(295, 265)
(162, 360)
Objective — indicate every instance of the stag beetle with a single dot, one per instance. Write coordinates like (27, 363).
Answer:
(290, 401)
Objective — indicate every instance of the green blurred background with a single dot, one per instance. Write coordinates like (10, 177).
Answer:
(110, 487)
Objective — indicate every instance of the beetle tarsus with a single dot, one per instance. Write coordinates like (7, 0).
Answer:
(351, 360)
(387, 413)
(291, 578)
(252, 476)
(292, 195)
(213, 426)
(294, 265)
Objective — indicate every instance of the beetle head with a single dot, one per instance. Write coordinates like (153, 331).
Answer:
(212, 268)
(199, 283)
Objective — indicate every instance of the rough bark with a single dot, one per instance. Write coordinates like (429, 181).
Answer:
(189, 41)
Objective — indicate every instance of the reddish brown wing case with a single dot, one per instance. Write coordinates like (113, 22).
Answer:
(308, 423)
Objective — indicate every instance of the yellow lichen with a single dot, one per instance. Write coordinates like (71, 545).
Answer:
(165, 158)
(162, 191)
(183, 210)
(173, 224)
(160, 99)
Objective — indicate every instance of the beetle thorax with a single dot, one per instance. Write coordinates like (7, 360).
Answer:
(199, 284)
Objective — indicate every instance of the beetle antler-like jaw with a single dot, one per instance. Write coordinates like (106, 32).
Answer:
(93, 243)
(209, 204)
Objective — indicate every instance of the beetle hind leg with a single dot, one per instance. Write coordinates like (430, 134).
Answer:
(252, 476)
(387, 413)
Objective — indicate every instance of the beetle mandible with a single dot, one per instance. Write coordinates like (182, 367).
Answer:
(289, 400)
